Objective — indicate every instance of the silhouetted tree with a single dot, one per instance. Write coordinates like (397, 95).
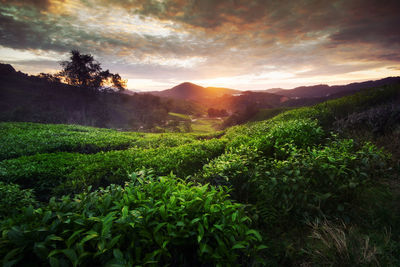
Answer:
(49, 77)
(83, 71)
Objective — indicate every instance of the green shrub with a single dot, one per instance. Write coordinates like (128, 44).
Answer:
(301, 133)
(237, 168)
(150, 221)
(113, 167)
(327, 112)
(13, 199)
(323, 181)
(65, 173)
(281, 138)
(42, 172)
(22, 139)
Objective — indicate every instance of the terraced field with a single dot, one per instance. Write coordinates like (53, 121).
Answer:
(281, 191)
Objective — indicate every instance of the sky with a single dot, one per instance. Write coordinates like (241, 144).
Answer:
(240, 44)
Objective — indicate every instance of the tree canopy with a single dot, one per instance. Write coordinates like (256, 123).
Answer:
(84, 71)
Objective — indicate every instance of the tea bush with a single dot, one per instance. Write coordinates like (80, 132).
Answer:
(322, 181)
(235, 169)
(150, 221)
(113, 167)
(13, 199)
(22, 139)
(42, 172)
(285, 135)
(64, 173)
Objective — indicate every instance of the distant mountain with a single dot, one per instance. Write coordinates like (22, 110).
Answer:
(222, 98)
(323, 90)
(270, 90)
(191, 91)
(129, 92)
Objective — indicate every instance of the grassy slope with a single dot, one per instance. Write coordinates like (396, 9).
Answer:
(266, 114)
(254, 154)
(199, 125)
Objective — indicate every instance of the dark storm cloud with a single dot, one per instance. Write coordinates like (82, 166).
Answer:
(30, 29)
(226, 22)
(41, 4)
(35, 34)
(287, 22)
(370, 22)
(232, 37)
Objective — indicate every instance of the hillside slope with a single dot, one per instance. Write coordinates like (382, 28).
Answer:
(323, 90)
(33, 99)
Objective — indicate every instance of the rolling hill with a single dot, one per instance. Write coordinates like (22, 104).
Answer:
(191, 91)
(324, 90)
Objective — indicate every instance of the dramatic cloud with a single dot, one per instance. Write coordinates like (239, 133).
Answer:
(234, 43)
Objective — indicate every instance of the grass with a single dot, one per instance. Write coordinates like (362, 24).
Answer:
(180, 116)
(202, 125)
(197, 124)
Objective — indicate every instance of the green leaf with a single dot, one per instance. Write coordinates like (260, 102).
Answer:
(255, 233)
(118, 254)
(238, 246)
(260, 247)
(89, 235)
(8, 259)
(71, 255)
(158, 227)
(71, 239)
(54, 262)
(125, 211)
(201, 233)
(114, 241)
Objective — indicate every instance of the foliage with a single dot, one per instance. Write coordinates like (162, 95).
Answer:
(13, 199)
(329, 111)
(234, 169)
(72, 172)
(266, 114)
(323, 181)
(282, 136)
(41, 172)
(22, 139)
(212, 112)
(83, 71)
(150, 221)
(35, 99)
(287, 171)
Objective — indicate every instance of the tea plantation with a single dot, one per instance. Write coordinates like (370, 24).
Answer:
(312, 186)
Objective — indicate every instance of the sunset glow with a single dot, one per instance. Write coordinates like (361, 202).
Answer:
(244, 45)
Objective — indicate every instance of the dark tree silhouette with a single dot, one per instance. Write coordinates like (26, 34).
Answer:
(49, 77)
(212, 112)
(83, 71)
